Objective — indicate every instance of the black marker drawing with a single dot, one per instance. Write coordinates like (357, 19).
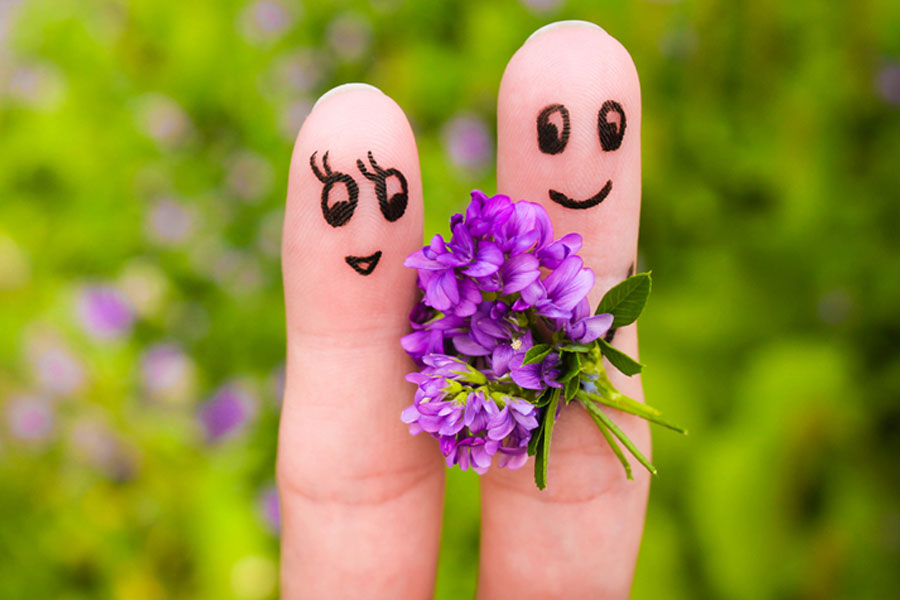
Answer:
(392, 208)
(594, 200)
(550, 139)
(340, 212)
(611, 134)
(363, 265)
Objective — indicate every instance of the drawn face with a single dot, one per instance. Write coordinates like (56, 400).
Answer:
(553, 130)
(338, 213)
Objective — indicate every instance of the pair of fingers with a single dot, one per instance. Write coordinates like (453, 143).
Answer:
(361, 498)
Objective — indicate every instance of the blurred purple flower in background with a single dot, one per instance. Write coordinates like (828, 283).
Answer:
(249, 176)
(292, 117)
(268, 238)
(104, 312)
(542, 6)
(265, 20)
(270, 509)
(889, 82)
(102, 449)
(468, 142)
(349, 36)
(300, 71)
(56, 369)
(169, 222)
(227, 413)
(167, 372)
(145, 286)
(30, 418)
(164, 120)
(38, 85)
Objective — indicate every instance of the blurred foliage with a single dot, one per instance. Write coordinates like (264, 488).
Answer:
(144, 148)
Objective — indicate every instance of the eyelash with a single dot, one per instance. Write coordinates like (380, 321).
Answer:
(340, 213)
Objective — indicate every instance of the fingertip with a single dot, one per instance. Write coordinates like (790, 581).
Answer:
(354, 212)
(569, 120)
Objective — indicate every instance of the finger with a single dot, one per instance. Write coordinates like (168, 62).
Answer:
(361, 498)
(580, 536)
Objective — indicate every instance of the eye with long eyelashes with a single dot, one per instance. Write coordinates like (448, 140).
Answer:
(550, 139)
(611, 134)
(339, 213)
(392, 208)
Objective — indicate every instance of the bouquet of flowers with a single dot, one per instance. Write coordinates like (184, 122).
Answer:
(504, 337)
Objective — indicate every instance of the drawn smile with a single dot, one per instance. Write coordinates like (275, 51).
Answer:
(363, 265)
(594, 200)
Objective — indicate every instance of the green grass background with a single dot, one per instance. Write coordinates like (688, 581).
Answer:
(770, 218)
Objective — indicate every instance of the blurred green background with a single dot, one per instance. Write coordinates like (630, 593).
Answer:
(144, 148)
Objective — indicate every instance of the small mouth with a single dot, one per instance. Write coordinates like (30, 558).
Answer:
(363, 265)
(594, 200)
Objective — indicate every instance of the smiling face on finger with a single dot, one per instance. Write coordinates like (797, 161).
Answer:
(570, 126)
(338, 212)
(554, 129)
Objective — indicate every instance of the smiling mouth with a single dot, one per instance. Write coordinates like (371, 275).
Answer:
(594, 200)
(363, 264)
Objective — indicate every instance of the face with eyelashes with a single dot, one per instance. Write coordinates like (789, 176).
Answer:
(338, 213)
(553, 131)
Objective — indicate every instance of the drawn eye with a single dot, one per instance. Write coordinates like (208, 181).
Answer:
(339, 213)
(392, 208)
(611, 134)
(550, 140)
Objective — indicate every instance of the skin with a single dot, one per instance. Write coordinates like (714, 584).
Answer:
(361, 498)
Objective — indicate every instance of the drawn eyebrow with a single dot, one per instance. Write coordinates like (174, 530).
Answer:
(338, 213)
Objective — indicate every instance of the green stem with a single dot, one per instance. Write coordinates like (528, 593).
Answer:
(612, 443)
(594, 409)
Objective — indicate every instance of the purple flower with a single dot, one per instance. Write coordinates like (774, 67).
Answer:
(166, 372)
(31, 419)
(104, 312)
(486, 214)
(439, 262)
(169, 223)
(102, 449)
(536, 376)
(56, 368)
(468, 142)
(470, 427)
(429, 332)
(270, 509)
(583, 327)
(561, 291)
(227, 412)
(529, 226)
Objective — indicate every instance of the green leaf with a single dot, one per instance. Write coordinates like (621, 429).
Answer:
(543, 450)
(595, 410)
(536, 354)
(582, 348)
(544, 398)
(619, 359)
(535, 440)
(572, 387)
(574, 367)
(626, 300)
(613, 445)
